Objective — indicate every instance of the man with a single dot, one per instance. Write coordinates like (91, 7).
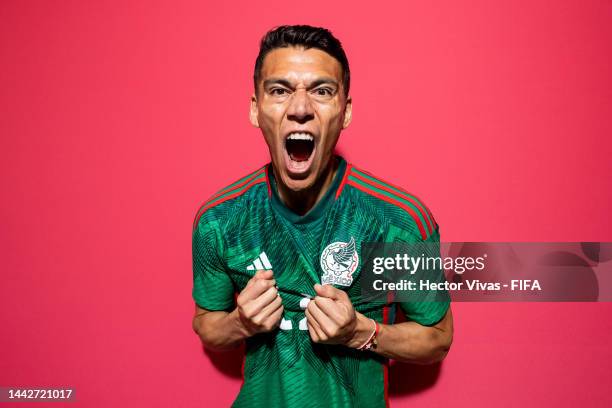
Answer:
(274, 236)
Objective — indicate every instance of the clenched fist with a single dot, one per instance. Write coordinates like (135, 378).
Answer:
(259, 306)
(331, 317)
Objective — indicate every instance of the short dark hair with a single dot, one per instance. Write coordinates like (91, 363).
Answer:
(303, 36)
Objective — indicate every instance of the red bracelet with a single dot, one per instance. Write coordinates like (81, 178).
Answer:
(371, 342)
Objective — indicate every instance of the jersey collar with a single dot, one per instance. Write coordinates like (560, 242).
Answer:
(319, 209)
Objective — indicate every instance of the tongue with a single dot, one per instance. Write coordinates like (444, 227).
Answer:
(299, 150)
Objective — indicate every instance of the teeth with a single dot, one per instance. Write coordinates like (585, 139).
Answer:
(300, 136)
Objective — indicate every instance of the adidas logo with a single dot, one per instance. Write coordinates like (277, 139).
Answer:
(261, 262)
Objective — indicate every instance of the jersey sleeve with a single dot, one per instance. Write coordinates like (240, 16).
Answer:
(212, 287)
(429, 306)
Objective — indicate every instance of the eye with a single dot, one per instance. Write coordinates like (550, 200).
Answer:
(324, 91)
(278, 91)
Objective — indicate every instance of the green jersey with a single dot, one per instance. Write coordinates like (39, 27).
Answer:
(245, 227)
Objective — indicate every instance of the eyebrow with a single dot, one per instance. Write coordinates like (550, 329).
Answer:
(286, 83)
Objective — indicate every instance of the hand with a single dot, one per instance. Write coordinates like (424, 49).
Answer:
(259, 307)
(332, 319)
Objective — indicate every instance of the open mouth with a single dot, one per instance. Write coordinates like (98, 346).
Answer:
(300, 148)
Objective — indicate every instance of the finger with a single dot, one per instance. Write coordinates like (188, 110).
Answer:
(313, 334)
(327, 325)
(329, 291)
(275, 318)
(257, 287)
(267, 311)
(255, 306)
(263, 274)
(316, 327)
(260, 275)
(332, 309)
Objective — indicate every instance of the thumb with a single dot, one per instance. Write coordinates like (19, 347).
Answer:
(263, 274)
(328, 291)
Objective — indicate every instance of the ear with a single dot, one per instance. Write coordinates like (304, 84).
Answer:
(348, 112)
(253, 112)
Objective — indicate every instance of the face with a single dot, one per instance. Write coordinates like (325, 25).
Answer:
(301, 109)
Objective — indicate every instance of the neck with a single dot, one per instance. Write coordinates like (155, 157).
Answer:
(300, 202)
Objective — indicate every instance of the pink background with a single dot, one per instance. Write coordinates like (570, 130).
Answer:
(120, 118)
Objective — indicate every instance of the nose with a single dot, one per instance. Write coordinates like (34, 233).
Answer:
(300, 107)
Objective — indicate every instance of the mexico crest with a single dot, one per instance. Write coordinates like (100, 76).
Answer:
(339, 260)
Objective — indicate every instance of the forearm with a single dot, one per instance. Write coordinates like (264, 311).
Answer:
(219, 330)
(408, 341)
(413, 343)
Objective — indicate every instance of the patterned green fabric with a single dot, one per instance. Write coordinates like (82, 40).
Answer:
(285, 368)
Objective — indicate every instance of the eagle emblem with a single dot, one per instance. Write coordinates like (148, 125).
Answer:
(339, 260)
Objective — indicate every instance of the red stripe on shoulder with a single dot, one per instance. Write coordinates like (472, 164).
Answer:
(268, 182)
(347, 171)
(390, 200)
(228, 189)
(419, 203)
(403, 194)
(234, 193)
